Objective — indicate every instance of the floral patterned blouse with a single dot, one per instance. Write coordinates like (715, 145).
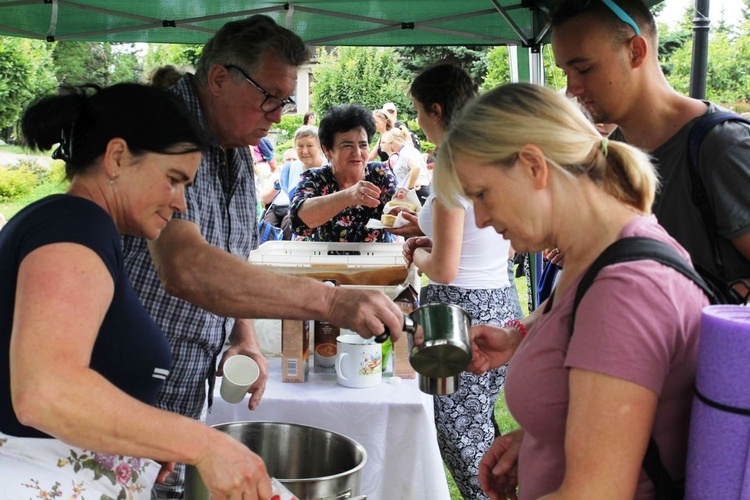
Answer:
(349, 224)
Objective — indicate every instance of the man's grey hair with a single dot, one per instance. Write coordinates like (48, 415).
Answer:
(245, 43)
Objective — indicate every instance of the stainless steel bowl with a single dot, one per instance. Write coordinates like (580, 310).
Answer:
(313, 463)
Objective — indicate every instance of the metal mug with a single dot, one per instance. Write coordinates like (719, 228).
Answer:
(439, 337)
(439, 386)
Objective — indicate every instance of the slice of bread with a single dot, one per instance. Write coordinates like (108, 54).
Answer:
(404, 204)
(388, 219)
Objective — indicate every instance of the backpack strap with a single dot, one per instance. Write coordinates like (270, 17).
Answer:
(628, 250)
(639, 248)
(699, 195)
(665, 488)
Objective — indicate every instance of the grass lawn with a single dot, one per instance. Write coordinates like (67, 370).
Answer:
(9, 208)
(15, 149)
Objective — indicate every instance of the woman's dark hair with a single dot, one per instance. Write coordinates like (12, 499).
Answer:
(344, 118)
(445, 84)
(306, 119)
(148, 119)
(165, 77)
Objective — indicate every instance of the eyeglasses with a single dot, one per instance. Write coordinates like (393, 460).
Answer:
(580, 6)
(271, 103)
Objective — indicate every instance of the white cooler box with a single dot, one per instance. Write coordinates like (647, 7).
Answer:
(361, 265)
(323, 260)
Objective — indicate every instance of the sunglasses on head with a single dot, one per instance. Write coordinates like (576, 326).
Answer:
(581, 5)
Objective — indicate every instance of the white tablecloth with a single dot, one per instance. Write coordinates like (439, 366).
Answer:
(394, 422)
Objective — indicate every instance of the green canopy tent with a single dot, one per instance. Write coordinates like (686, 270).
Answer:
(318, 22)
(520, 23)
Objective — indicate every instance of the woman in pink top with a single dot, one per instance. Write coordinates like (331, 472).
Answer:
(589, 397)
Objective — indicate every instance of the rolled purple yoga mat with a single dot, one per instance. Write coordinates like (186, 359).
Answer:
(718, 464)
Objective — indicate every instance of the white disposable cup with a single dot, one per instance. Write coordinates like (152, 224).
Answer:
(240, 372)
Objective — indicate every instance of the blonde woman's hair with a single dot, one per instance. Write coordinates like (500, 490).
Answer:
(386, 117)
(493, 128)
(395, 135)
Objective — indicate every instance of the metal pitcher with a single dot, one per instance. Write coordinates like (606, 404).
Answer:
(439, 337)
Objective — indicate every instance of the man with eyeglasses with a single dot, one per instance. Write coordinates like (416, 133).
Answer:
(195, 279)
(609, 52)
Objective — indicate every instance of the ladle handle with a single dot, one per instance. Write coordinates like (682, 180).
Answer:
(408, 326)
(383, 336)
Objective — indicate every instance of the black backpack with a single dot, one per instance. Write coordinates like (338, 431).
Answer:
(700, 198)
(640, 248)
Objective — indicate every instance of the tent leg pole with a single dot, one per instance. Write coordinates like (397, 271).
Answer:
(699, 66)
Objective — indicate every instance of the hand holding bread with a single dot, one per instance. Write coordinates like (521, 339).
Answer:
(403, 201)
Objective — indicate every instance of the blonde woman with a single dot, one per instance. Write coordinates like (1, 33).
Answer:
(383, 123)
(407, 162)
(587, 396)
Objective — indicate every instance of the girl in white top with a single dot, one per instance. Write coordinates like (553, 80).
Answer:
(467, 266)
(409, 167)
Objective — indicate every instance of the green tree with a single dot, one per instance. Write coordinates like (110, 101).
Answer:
(473, 59)
(498, 68)
(43, 80)
(24, 75)
(15, 76)
(125, 64)
(728, 75)
(161, 54)
(553, 76)
(368, 76)
(99, 63)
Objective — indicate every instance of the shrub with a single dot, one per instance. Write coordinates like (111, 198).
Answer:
(281, 147)
(16, 182)
(289, 125)
(58, 171)
(40, 169)
(283, 134)
(28, 173)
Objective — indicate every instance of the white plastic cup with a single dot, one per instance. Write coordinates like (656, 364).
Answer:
(240, 372)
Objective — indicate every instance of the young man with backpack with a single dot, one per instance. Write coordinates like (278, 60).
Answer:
(609, 52)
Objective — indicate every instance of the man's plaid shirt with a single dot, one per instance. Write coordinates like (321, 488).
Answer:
(222, 203)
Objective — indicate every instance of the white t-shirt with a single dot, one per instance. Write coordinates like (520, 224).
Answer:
(484, 253)
(401, 170)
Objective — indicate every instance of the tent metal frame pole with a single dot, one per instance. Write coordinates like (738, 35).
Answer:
(389, 25)
(699, 64)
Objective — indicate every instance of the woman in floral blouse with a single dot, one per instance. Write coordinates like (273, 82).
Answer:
(334, 202)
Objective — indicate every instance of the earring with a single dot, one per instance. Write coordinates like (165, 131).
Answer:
(112, 180)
